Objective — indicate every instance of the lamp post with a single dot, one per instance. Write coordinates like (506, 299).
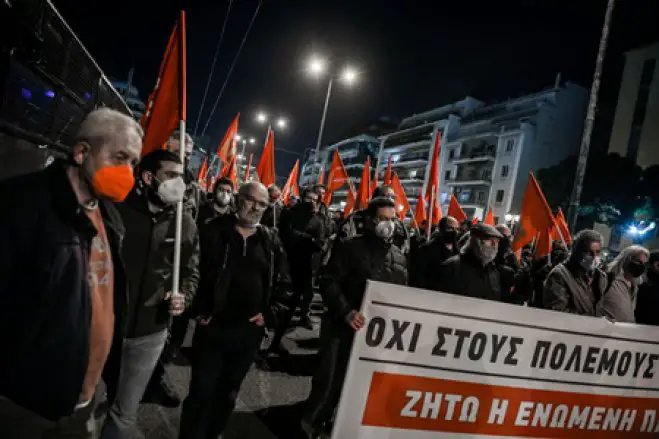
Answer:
(317, 67)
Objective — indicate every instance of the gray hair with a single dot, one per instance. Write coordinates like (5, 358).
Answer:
(247, 188)
(175, 137)
(582, 242)
(106, 126)
(617, 266)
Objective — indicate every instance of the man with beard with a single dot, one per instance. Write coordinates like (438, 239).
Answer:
(62, 281)
(371, 255)
(473, 272)
(221, 202)
(149, 215)
(241, 264)
(301, 230)
(428, 257)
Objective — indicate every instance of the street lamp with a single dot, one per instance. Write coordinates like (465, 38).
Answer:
(252, 140)
(282, 123)
(316, 67)
(261, 117)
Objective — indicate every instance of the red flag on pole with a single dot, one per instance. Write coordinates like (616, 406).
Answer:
(291, 188)
(420, 211)
(561, 231)
(227, 147)
(203, 174)
(535, 217)
(489, 218)
(455, 210)
(230, 171)
(321, 176)
(387, 174)
(166, 106)
(364, 191)
(249, 166)
(266, 166)
(402, 203)
(350, 203)
(433, 181)
(336, 177)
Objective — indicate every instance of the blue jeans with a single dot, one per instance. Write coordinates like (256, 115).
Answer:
(138, 359)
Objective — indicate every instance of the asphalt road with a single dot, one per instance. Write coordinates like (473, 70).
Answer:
(268, 403)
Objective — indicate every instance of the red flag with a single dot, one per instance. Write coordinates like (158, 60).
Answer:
(402, 203)
(321, 176)
(535, 216)
(350, 204)
(543, 244)
(489, 218)
(291, 188)
(387, 174)
(266, 167)
(474, 221)
(227, 147)
(249, 166)
(166, 105)
(203, 174)
(433, 181)
(561, 230)
(420, 211)
(336, 177)
(455, 210)
(229, 171)
(364, 191)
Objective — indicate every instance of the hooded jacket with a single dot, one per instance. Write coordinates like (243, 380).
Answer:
(46, 306)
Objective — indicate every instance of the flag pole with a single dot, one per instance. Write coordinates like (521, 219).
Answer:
(179, 221)
(431, 207)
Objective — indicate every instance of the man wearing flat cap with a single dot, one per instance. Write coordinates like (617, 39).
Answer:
(473, 272)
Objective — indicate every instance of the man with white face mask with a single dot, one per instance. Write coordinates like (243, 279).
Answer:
(149, 215)
(220, 204)
(473, 272)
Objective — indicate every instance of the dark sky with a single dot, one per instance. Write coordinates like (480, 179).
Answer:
(413, 55)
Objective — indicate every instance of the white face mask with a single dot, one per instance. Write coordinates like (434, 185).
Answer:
(487, 252)
(172, 191)
(223, 199)
(385, 229)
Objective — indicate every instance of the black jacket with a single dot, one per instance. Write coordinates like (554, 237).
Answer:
(464, 274)
(207, 213)
(355, 225)
(46, 307)
(425, 261)
(216, 269)
(302, 232)
(149, 252)
(647, 302)
(353, 262)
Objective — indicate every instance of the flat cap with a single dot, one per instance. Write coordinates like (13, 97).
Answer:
(481, 230)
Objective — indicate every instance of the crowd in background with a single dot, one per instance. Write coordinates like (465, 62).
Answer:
(87, 269)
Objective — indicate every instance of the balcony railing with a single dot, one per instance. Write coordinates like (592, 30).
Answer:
(470, 177)
(476, 153)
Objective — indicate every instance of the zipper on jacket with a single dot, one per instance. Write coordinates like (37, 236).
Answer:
(244, 246)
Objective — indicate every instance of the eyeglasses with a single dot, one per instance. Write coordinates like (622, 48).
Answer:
(251, 200)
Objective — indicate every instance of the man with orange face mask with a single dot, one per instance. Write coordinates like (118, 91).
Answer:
(62, 283)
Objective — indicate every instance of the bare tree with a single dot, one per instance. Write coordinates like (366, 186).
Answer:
(590, 120)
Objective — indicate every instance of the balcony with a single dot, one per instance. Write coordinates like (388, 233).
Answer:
(482, 154)
(482, 179)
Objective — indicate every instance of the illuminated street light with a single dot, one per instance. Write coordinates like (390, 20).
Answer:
(317, 65)
(261, 117)
(252, 140)
(238, 137)
(349, 75)
(282, 123)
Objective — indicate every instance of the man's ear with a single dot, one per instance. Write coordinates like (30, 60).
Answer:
(79, 152)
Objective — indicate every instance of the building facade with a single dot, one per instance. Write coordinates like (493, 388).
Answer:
(487, 151)
(635, 132)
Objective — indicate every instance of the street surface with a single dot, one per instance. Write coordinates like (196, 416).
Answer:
(267, 404)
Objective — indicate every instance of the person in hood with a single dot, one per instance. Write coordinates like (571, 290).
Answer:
(275, 206)
(624, 276)
(506, 255)
(192, 200)
(473, 272)
(371, 255)
(62, 281)
(427, 258)
(648, 293)
(242, 264)
(576, 285)
(149, 215)
(221, 202)
(301, 231)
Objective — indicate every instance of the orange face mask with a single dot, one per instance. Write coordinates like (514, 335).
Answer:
(113, 182)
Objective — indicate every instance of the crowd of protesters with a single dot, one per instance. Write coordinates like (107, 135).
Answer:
(86, 271)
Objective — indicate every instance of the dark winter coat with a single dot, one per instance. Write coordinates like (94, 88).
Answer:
(216, 269)
(302, 233)
(568, 289)
(355, 225)
(465, 275)
(427, 259)
(149, 252)
(647, 304)
(353, 262)
(46, 306)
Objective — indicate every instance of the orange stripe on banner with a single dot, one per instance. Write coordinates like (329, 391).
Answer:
(430, 404)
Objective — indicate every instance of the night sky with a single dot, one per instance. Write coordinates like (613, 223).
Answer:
(413, 55)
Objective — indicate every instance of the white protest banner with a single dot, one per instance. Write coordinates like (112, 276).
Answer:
(437, 365)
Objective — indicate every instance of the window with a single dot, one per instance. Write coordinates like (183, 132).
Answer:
(480, 196)
(451, 154)
(499, 196)
(504, 171)
(447, 175)
(510, 144)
